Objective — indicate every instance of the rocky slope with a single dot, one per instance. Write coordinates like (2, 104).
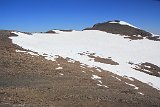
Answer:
(123, 28)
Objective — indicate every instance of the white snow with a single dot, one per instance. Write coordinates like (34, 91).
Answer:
(128, 78)
(146, 70)
(135, 87)
(71, 60)
(123, 23)
(59, 68)
(100, 81)
(28, 52)
(102, 85)
(21, 51)
(98, 70)
(95, 77)
(69, 44)
(140, 93)
(147, 66)
(84, 71)
(50, 58)
(82, 66)
(116, 78)
(61, 74)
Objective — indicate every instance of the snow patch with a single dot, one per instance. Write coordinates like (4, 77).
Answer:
(147, 66)
(116, 78)
(100, 81)
(61, 74)
(59, 68)
(50, 58)
(82, 66)
(95, 77)
(128, 78)
(98, 70)
(102, 85)
(146, 70)
(135, 87)
(84, 71)
(123, 23)
(71, 61)
(140, 93)
(28, 52)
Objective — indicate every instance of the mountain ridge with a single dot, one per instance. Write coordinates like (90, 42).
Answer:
(115, 27)
(123, 28)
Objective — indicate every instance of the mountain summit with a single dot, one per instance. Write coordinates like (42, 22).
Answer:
(123, 28)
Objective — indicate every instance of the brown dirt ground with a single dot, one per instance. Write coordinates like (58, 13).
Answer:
(100, 59)
(33, 81)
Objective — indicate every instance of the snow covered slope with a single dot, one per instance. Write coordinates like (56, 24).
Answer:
(85, 46)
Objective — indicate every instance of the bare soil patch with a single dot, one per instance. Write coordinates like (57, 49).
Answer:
(100, 59)
(148, 68)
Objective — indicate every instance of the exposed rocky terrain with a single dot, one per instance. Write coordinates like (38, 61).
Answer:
(115, 27)
(28, 79)
(148, 68)
(53, 32)
(50, 31)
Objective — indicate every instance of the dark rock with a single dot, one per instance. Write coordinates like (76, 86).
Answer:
(66, 30)
(116, 28)
(28, 33)
(50, 31)
(12, 34)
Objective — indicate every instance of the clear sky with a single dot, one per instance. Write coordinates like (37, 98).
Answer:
(43, 15)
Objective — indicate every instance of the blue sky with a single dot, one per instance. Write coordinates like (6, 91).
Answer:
(43, 15)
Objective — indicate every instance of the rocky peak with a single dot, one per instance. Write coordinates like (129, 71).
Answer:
(123, 28)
